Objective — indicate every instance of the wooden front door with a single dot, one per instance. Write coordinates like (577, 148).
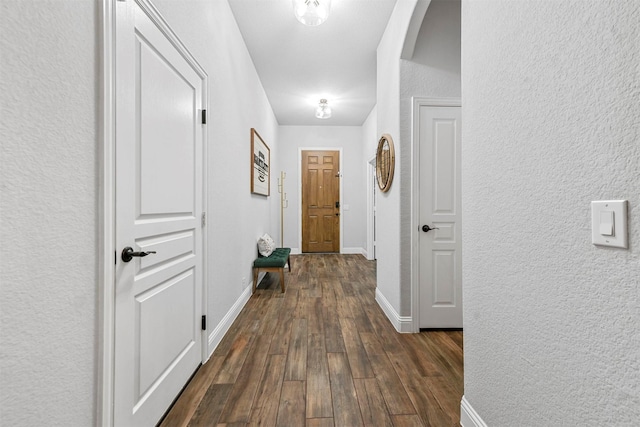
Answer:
(320, 201)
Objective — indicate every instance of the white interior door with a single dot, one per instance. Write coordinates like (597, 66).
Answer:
(159, 202)
(440, 243)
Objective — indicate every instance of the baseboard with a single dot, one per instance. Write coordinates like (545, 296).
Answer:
(359, 251)
(468, 416)
(403, 324)
(221, 328)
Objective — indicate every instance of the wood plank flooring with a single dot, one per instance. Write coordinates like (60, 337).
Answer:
(324, 354)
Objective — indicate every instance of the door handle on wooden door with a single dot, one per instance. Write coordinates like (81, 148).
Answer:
(426, 228)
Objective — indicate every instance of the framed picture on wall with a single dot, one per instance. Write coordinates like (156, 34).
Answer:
(260, 162)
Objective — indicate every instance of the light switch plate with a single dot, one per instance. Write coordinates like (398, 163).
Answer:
(609, 216)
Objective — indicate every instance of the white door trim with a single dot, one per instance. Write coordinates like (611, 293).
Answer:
(418, 102)
(107, 251)
(300, 150)
(371, 188)
(106, 276)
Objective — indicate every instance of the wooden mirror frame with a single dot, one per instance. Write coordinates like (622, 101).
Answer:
(385, 162)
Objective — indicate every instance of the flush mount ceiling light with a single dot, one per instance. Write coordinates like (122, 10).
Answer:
(311, 12)
(323, 111)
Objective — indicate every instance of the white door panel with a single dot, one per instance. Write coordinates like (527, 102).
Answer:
(165, 335)
(443, 158)
(166, 140)
(440, 267)
(159, 202)
(171, 247)
(444, 273)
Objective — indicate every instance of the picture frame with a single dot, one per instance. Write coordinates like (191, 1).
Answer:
(260, 164)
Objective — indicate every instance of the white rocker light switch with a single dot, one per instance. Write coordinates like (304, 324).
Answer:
(609, 223)
(606, 223)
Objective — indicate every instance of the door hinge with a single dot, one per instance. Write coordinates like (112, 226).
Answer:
(115, 258)
(204, 323)
(204, 117)
(204, 219)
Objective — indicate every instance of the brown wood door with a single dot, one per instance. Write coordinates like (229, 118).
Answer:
(320, 201)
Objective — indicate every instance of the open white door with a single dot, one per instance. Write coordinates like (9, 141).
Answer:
(160, 92)
(440, 242)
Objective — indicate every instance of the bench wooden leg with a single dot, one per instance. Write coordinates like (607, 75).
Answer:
(289, 263)
(255, 279)
(282, 279)
(256, 271)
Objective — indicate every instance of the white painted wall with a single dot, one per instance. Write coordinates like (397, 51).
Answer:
(433, 71)
(550, 107)
(236, 218)
(388, 121)
(437, 49)
(49, 292)
(370, 135)
(347, 138)
(48, 210)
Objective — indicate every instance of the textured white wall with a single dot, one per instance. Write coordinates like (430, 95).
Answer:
(349, 138)
(551, 104)
(370, 136)
(438, 49)
(434, 72)
(237, 103)
(49, 193)
(388, 121)
(48, 211)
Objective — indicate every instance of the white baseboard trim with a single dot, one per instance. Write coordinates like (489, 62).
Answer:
(221, 328)
(468, 416)
(359, 251)
(403, 324)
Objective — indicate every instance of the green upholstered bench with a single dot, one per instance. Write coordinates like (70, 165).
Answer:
(274, 262)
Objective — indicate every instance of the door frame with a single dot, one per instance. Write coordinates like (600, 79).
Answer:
(416, 103)
(371, 206)
(106, 199)
(300, 150)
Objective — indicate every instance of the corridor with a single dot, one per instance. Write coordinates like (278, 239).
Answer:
(324, 354)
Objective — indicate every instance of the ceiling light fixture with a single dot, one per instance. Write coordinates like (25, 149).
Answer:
(311, 12)
(323, 111)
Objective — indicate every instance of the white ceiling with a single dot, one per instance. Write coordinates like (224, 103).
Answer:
(298, 64)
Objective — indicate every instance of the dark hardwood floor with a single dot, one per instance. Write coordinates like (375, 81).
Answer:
(324, 354)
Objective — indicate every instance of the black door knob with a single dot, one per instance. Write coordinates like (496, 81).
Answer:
(426, 228)
(128, 254)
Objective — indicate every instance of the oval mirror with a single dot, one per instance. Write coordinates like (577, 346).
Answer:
(385, 162)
